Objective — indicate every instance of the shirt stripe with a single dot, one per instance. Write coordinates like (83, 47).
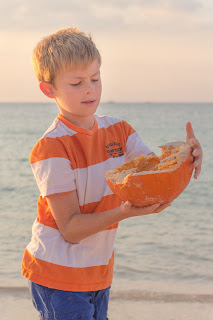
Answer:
(89, 252)
(45, 216)
(64, 278)
(54, 175)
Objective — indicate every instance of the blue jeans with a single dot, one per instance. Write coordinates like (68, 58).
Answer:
(55, 304)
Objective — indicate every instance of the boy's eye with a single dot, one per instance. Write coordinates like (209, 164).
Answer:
(75, 84)
(95, 80)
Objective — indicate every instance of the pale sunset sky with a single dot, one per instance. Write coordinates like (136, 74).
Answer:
(152, 50)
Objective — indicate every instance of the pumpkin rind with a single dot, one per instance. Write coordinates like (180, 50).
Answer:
(160, 186)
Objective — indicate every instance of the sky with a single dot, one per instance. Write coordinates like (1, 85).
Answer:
(152, 50)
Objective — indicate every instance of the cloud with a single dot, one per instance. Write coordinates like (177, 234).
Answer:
(93, 15)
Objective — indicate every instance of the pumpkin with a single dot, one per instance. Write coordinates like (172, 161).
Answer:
(150, 179)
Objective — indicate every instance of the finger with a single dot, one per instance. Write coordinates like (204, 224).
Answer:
(189, 132)
(149, 209)
(127, 205)
(196, 152)
(197, 171)
(196, 164)
(162, 207)
(196, 145)
(191, 158)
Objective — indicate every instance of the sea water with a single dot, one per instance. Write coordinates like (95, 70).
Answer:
(161, 256)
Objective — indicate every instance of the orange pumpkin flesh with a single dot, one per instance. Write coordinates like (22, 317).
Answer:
(150, 179)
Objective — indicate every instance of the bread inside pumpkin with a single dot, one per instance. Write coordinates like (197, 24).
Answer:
(172, 155)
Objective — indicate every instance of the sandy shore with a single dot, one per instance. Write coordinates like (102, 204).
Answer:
(160, 311)
(19, 306)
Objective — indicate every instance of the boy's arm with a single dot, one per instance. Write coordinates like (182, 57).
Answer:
(75, 226)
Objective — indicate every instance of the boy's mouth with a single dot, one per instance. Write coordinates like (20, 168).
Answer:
(88, 102)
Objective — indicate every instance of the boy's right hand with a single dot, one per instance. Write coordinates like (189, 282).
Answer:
(129, 210)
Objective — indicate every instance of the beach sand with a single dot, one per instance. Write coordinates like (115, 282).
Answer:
(159, 311)
(18, 306)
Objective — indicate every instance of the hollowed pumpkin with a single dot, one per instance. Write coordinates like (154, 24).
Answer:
(150, 179)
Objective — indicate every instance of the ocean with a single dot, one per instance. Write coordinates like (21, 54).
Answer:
(164, 259)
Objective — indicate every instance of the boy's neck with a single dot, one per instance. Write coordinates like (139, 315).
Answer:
(83, 122)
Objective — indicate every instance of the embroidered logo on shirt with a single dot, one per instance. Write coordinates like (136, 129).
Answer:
(114, 149)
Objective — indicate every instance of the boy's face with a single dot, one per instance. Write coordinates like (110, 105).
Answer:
(77, 92)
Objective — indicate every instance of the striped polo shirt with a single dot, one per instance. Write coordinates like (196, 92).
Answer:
(71, 158)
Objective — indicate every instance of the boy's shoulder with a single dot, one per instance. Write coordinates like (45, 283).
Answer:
(57, 129)
(50, 142)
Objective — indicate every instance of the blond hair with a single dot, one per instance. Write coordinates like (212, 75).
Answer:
(66, 48)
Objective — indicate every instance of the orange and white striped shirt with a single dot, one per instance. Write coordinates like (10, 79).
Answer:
(70, 158)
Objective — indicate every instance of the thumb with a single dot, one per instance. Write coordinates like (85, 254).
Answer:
(127, 205)
(189, 133)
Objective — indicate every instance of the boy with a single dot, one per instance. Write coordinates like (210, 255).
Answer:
(69, 260)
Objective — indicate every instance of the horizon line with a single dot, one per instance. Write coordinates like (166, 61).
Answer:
(111, 101)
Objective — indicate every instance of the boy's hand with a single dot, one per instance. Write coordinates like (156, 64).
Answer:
(196, 149)
(131, 211)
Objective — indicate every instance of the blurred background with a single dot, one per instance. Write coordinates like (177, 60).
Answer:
(152, 50)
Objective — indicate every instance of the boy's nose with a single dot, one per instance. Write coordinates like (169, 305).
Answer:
(89, 88)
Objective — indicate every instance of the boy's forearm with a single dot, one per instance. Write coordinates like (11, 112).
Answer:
(81, 226)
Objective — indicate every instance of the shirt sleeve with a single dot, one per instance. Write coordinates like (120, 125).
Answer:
(135, 147)
(51, 167)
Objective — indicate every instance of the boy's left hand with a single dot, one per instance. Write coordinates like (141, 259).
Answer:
(196, 149)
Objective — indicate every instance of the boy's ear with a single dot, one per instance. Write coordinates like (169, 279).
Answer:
(47, 89)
